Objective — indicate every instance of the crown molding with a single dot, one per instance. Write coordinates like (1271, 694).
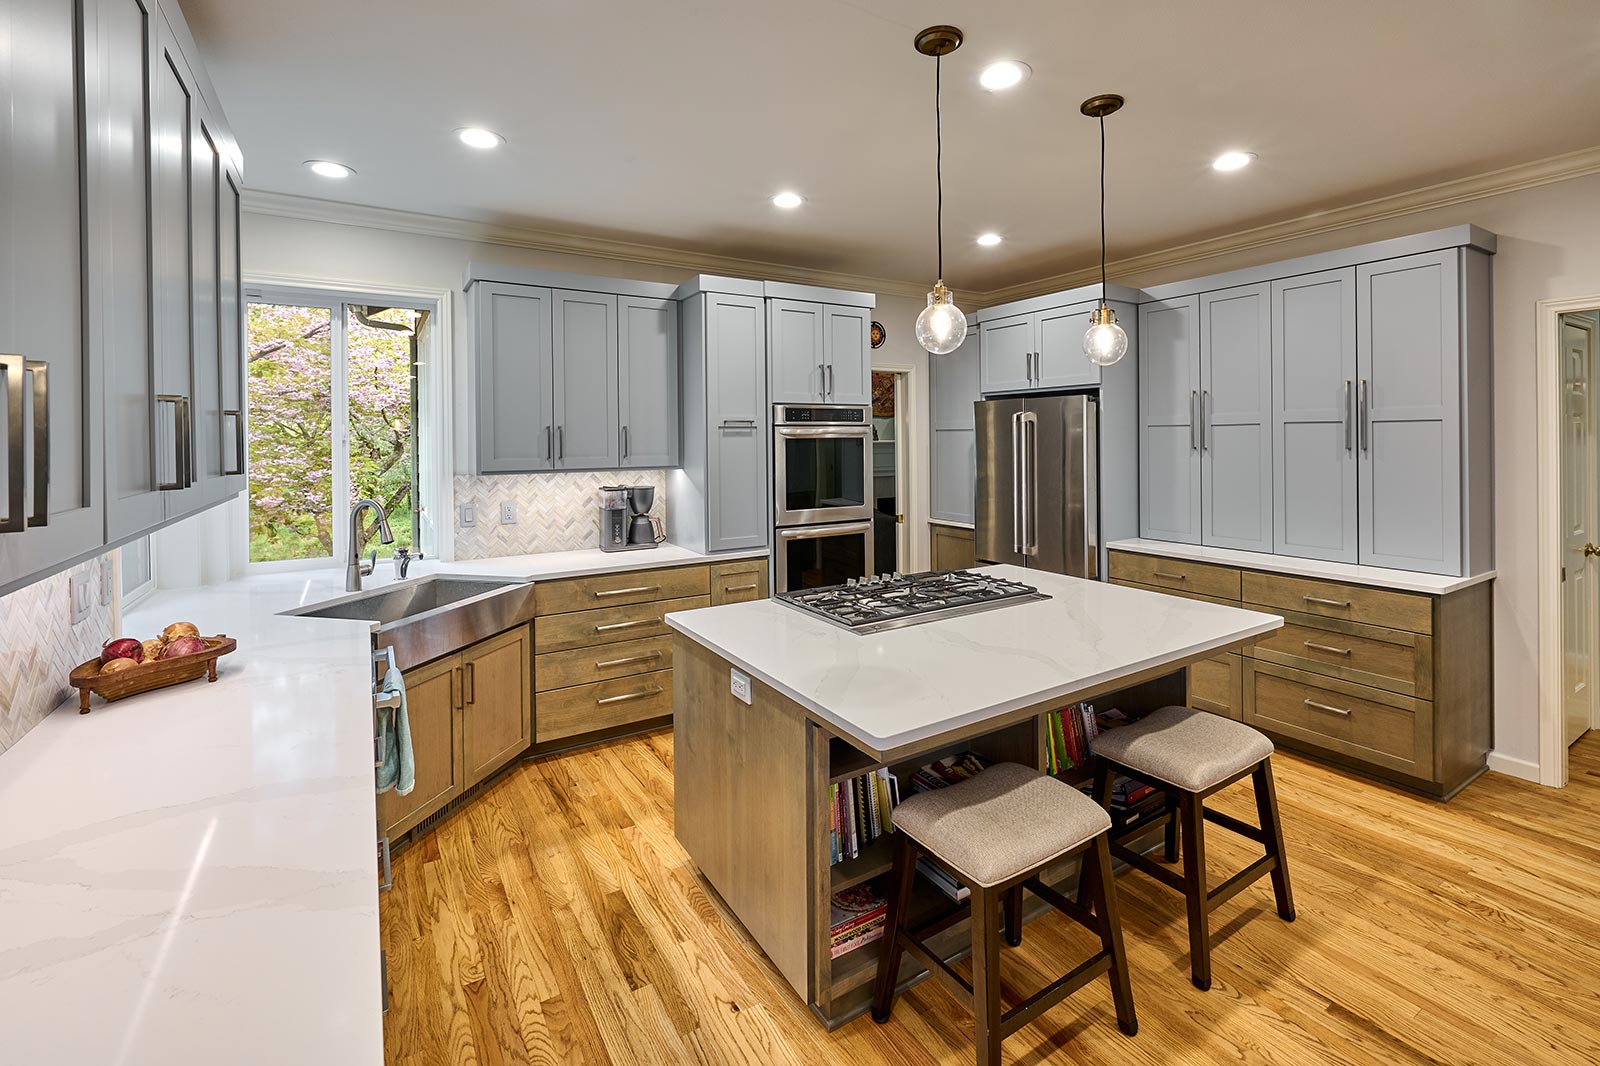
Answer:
(285, 205)
(1548, 171)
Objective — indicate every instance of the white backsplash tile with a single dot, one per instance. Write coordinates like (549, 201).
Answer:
(555, 512)
(39, 646)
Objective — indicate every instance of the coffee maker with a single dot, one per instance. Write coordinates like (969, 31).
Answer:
(625, 522)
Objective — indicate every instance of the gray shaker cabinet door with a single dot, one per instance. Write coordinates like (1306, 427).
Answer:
(1006, 353)
(1313, 412)
(206, 234)
(516, 408)
(737, 423)
(1061, 363)
(1169, 438)
(584, 340)
(953, 387)
(798, 357)
(647, 381)
(1236, 418)
(847, 348)
(1408, 358)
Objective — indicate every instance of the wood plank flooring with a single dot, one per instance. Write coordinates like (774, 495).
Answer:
(556, 920)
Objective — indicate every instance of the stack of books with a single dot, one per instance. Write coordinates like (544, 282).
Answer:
(1071, 730)
(943, 881)
(946, 772)
(1126, 792)
(861, 811)
(859, 915)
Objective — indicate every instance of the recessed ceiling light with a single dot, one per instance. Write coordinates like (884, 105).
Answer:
(788, 200)
(327, 168)
(478, 137)
(989, 240)
(1006, 74)
(1233, 161)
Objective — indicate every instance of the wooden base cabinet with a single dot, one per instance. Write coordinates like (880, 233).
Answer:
(432, 693)
(952, 547)
(739, 582)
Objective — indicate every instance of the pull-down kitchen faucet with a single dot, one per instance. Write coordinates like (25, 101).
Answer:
(355, 569)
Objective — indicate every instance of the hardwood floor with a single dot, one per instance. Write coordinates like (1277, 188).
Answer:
(556, 920)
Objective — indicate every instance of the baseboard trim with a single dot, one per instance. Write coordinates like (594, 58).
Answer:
(1507, 764)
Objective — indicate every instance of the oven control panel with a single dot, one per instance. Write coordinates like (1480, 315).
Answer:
(823, 415)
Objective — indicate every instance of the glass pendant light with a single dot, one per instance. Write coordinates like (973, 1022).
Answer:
(1105, 342)
(941, 327)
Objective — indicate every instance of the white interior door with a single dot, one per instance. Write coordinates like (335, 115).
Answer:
(1579, 604)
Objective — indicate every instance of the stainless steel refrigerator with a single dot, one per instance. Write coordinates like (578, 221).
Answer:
(1038, 488)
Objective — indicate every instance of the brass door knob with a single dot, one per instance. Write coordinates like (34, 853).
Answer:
(1590, 549)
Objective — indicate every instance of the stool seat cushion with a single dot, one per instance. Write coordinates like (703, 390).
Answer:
(1184, 747)
(1000, 822)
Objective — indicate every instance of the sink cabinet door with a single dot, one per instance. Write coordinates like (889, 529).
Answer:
(432, 694)
(497, 702)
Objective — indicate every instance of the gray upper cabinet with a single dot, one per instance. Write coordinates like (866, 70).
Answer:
(647, 381)
(847, 346)
(230, 327)
(819, 353)
(953, 389)
(1169, 437)
(1313, 415)
(1061, 363)
(1236, 418)
(1409, 371)
(1006, 354)
(584, 344)
(516, 374)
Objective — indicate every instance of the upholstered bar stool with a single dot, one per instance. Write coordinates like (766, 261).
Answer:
(995, 833)
(1192, 755)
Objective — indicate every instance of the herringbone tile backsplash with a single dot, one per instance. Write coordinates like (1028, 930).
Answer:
(39, 647)
(555, 512)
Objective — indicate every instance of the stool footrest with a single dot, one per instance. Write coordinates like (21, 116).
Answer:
(1053, 993)
(953, 982)
(1232, 886)
(1232, 824)
(1142, 863)
(1082, 915)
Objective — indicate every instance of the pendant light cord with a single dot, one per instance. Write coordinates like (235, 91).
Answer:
(938, 163)
(1102, 210)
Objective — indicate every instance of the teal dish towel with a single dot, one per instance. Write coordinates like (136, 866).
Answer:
(399, 769)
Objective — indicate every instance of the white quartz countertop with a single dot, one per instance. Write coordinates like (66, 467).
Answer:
(887, 690)
(189, 876)
(1381, 576)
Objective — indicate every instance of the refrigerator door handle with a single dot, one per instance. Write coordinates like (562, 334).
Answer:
(1030, 482)
(1016, 484)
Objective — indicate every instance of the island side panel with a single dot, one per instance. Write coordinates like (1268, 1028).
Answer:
(741, 782)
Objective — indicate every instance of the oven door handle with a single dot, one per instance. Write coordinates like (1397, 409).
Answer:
(818, 532)
(825, 432)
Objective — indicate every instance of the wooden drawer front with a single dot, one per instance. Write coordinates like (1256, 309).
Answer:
(1168, 575)
(1184, 593)
(609, 625)
(585, 666)
(612, 590)
(738, 582)
(570, 712)
(1378, 727)
(1215, 685)
(1390, 659)
(1354, 603)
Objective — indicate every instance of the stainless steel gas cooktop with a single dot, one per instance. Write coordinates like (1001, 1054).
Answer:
(889, 601)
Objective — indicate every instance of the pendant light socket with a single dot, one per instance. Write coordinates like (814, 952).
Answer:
(1102, 105)
(938, 40)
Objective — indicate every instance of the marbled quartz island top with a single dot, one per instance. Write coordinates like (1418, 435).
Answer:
(885, 691)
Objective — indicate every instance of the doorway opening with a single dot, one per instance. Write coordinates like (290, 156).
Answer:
(889, 482)
(1579, 346)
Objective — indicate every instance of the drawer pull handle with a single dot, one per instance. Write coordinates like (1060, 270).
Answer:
(1327, 648)
(630, 659)
(602, 593)
(1326, 603)
(1342, 712)
(641, 694)
(739, 588)
(628, 625)
(1169, 577)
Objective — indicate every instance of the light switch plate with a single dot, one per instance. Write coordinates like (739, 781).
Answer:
(508, 513)
(82, 597)
(469, 515)
(739, 685)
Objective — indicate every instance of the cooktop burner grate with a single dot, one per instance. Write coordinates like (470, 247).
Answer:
(889, 601)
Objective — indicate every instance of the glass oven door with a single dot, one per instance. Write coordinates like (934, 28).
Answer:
(823, 474)
(817, 556)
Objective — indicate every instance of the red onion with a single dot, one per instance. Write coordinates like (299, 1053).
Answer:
(181, 646)
(122, 648)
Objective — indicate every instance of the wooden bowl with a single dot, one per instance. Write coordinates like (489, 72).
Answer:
(148, 676)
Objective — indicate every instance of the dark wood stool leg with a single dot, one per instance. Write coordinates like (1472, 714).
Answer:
(1011, 901)
(1195, 889)
(1097, 869)
(1105, 779)
(904, 879)
(1272, 829)
(986, 1013)
(1171, 853)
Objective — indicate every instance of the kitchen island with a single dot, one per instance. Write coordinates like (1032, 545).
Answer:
(772, 706)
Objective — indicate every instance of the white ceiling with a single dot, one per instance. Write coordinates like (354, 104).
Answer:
(672, 122)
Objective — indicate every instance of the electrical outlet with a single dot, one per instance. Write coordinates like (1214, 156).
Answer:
(469, 515)
(82, 598)
(508, 513)
(107, 581)
(739, 685)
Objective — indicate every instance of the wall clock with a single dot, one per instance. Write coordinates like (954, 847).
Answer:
(879, 334)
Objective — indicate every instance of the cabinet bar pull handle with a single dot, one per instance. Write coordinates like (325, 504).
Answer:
(549, 452)
(628, 625)
(629, 660)
(470, 684)
(626, 696)
(14, 521)
(177, 481)
(1205, 418)
(599, 593)
(1169, 577)
(624, 442)
(388, 867)
(1366, 419)
(1349, 423)
(238, 442)
(561, 447)
(739, 588)
(1194, 420)
(1326, 602)
(1327, 648)
(739, 422)
(41, 441)
(1343, 712)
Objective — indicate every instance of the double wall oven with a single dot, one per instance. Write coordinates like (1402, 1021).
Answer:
(822, 495)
